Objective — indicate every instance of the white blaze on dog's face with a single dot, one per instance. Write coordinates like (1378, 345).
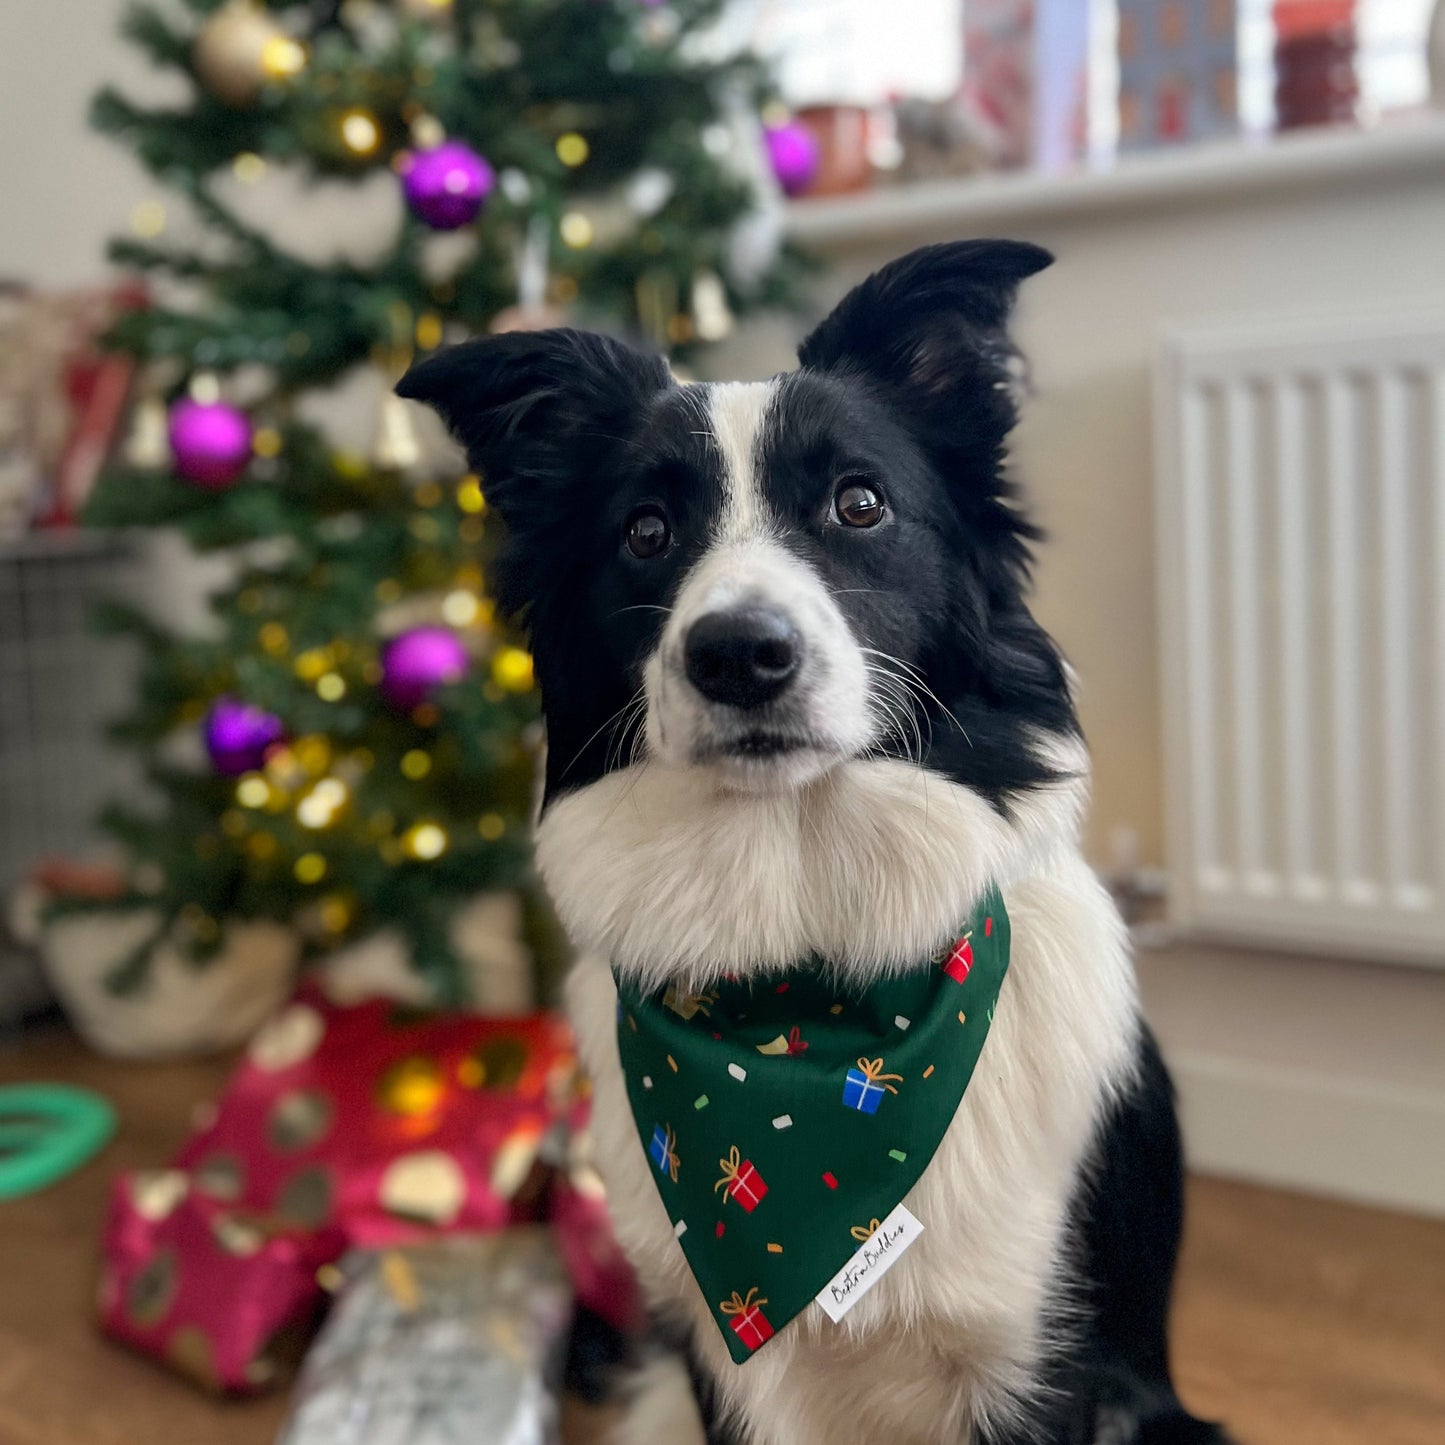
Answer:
(760, 583)
(757, 673)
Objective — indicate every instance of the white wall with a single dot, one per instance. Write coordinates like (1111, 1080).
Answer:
(65, 189)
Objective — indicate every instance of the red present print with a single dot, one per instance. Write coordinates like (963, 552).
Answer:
(749, 1322)
(740, 1181)
(960, 959)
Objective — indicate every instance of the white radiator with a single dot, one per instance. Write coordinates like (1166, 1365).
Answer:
(1300, 487)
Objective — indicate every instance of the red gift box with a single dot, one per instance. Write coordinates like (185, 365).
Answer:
(222, 1296)
(746, 1316)
(740, 1181)
(344, 1126)
(960, 959)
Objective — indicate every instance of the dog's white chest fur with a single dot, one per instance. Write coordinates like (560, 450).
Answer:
(664, 874)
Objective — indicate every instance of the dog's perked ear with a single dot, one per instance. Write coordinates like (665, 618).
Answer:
(538, 412)
(931, 328)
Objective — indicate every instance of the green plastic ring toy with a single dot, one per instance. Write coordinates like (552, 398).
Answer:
(46, 1132)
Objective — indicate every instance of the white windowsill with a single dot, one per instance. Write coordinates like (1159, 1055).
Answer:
(1298, 160)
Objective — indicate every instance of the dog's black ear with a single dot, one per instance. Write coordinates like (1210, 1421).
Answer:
(932, 323)
(540, 414)
(531, 406)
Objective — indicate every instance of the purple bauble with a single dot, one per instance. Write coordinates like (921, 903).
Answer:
(447, 185)
(210, 442)
(238, 735)
(415, 662)
(793, 150)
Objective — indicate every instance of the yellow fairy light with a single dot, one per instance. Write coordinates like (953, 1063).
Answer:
(336, 912)
(491, 826)
(248, 168)
(424, 841)
(461, 608)
(283, 57)
(148, 220)
(572, 149)
(261, 846)
(313, 753)
(388, 590)
(233, 823)
(425, 529)
(330, 687)
(309, 868)
(318, 809)
(512, 668)
(250, 600)
(426, 714)
(428, 331)
(266, 442)
(577, 231)
(253, 791)
(273, 639)
(372, 671)
(205, 387)
(313, 812)
(363, 760)
(469, 495)
(360, 132)
(415, 764)
(309, 665)
(428, 494)
(332, 791)
(350, 465)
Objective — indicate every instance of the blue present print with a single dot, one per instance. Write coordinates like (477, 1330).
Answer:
(663, 1150)
(865, 1085)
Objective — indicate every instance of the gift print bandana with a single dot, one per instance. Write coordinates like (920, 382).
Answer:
(783, 1117)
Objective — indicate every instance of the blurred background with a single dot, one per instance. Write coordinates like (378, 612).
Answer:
(259, 723)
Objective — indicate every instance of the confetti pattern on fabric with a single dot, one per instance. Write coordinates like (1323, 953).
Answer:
(783, 1115)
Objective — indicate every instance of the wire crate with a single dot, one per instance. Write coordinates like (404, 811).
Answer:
(59, 686)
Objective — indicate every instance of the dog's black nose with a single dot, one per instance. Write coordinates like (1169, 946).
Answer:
(744, 658)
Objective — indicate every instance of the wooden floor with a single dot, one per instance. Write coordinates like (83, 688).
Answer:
(1299, 1321)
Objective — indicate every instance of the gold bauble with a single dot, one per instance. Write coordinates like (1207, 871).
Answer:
(241, 49)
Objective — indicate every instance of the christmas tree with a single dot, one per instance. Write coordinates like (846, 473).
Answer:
(367, 728)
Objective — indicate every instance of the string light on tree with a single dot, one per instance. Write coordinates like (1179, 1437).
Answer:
(576, 230)
(572, 149)
(360, 133)
(512, 669)
(425, 842)
(309, 868)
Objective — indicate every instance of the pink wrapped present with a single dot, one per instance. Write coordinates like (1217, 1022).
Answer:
(365, 1125)
(224, 1299)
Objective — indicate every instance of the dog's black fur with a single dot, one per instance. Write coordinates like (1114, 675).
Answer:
(910, 383)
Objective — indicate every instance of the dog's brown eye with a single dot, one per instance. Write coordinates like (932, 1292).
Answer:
(858, 505)
(647, 532)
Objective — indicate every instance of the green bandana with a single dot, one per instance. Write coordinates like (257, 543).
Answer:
(785, 1117)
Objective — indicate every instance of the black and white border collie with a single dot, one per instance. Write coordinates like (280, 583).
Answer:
(796, 703)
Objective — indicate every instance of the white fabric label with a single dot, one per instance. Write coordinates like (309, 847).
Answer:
(870, 1262)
